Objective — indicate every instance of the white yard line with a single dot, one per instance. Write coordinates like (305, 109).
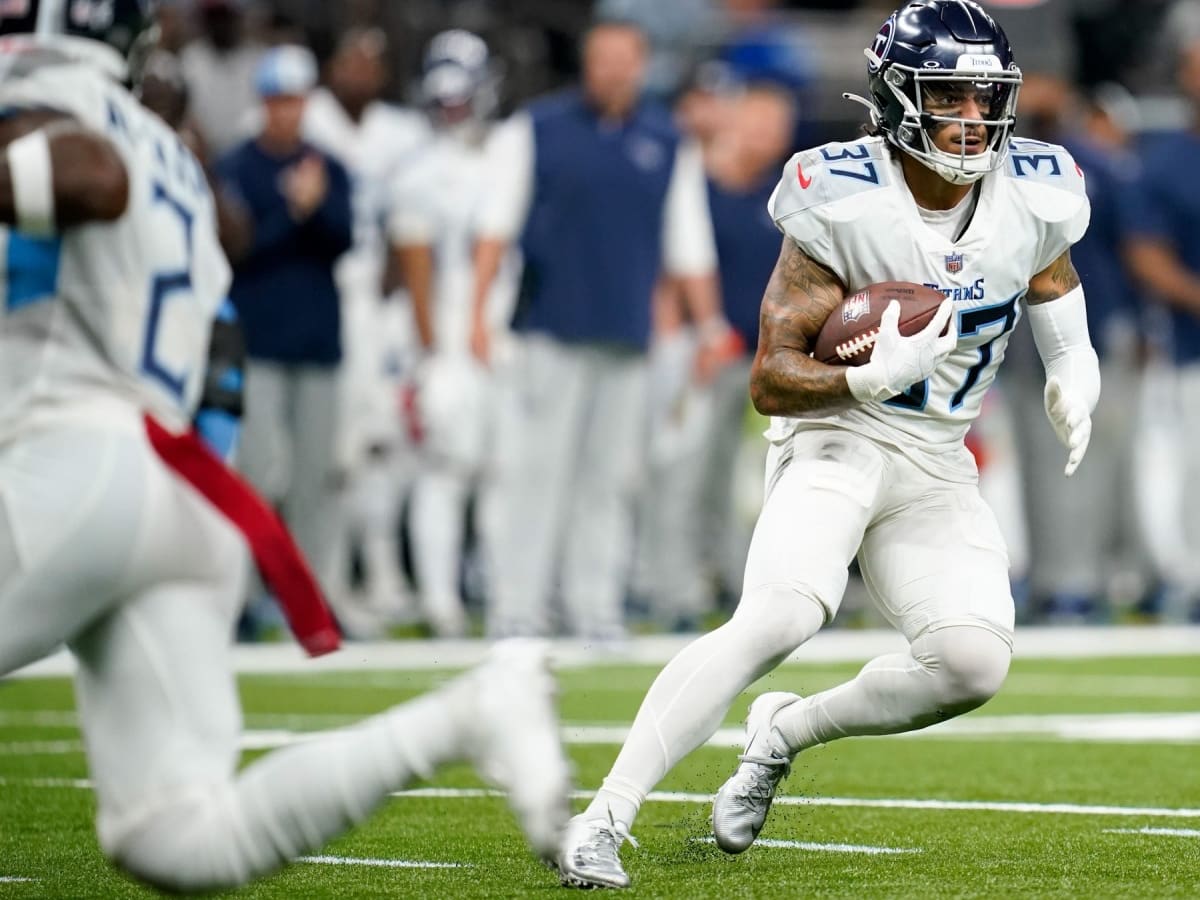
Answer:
(774, 843)
(828, 646)
(1067, 809)
(1157, 832)
(1134, 728)
(379, 863)
(15, 879)
(81, 783)
(1114, 727)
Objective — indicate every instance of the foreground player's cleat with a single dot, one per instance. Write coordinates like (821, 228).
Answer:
(589, 857)
(742, 804)
(515, 740)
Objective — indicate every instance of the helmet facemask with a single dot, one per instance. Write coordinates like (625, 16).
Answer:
(900, 102)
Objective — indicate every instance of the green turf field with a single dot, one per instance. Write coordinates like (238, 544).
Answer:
(1082, 779)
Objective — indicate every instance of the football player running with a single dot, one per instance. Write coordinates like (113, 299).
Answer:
(870, 461)
(117, 533)
(433, 230)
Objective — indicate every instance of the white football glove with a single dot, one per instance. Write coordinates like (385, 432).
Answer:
(1072, 420)
(898, 362)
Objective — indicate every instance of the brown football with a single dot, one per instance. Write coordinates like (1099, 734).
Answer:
(848, 335)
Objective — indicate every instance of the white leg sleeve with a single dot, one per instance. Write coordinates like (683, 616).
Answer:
(947, 672)
(690, 697)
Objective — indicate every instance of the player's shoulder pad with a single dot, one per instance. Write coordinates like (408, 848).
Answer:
(833, 182)
(46, 79)
(1048, 178)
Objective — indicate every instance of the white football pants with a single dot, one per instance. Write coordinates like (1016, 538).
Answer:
(933, 560)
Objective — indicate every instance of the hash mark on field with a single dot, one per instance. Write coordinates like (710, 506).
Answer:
(15, 879)
(822, 848)
(1166, 832)
(381, 863)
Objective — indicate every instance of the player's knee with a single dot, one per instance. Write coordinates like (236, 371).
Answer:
(188, 845)
(775, 619)
(970, 665)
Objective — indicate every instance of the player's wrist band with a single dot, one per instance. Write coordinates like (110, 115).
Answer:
(32, 175)
(1060, 332)
(866, 385)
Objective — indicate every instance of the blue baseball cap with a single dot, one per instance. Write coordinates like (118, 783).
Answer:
(289, 70)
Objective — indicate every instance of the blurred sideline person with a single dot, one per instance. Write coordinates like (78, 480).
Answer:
(433, 230)
(298, 200)
(119, 529)
(376, 142)
(1084, 539)
(739, 187)
(163, 90)
(603, 197)
(691, 539)
(869, 461)
(1164, 252)
(219, 67)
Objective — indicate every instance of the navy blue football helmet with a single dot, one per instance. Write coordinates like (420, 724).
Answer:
(91, 29)
(942, 49)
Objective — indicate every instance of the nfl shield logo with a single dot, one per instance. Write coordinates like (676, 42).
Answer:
(854, 308)
(954, 262)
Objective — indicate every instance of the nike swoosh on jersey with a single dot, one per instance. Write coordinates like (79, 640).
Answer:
(804, 182)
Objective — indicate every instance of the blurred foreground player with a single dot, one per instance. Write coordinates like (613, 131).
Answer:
(870, 461)
(117, 531)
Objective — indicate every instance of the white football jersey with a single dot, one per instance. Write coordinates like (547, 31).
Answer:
(109, 309)
(437, 200)
(373, 150)
(847, 206)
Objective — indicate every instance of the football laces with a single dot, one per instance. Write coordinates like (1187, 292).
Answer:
(850, 349)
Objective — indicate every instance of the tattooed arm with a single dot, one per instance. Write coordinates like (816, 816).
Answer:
(1052, 282)
(786, 380)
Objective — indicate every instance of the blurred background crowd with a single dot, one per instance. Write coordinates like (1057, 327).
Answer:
(499, 273)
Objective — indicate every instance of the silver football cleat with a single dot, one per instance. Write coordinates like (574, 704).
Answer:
(742, 803)
(590, 856)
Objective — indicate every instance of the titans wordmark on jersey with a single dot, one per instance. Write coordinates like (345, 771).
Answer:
(122, 308)
(846, 205)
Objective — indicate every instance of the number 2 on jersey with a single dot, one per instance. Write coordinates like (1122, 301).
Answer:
(164, 285)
